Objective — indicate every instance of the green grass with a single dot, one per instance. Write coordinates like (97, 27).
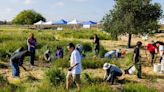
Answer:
(13, 37)
(131, 87)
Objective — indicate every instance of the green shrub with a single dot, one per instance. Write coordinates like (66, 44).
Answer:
(102, 51)
(3, 54)
(55, 76)
(3, 81)
(62, 62)
(87, 47)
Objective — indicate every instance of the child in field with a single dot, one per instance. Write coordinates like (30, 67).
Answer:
(16, 60)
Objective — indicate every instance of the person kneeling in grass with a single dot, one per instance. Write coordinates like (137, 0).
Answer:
(47, 56)
(111, 72)
(16, 60)
(74, 70)
(59, 53)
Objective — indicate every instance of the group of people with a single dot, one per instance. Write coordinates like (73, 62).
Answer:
(154, 48)
(58, 54)
(75, 69)
(112, 71)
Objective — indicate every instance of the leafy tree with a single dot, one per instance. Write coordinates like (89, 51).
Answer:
(132, 17)
(28, 17)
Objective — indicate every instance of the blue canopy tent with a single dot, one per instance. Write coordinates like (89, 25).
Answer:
(89, 23)
(60, 22)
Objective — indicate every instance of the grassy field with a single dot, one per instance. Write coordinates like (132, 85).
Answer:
(50, 77)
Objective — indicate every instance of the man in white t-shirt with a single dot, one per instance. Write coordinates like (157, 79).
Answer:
(160, 46)
(74, 70)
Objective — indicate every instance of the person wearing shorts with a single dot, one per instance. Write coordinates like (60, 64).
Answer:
(74, 70)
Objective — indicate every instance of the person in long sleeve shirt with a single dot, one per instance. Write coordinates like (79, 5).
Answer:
(111, 72)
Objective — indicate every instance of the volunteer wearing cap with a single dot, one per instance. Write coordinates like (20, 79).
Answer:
(136, 58)
(74, 70)
(112, 71)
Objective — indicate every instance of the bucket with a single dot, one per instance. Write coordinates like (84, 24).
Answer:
(132, 70)
(157, 67)
(162, 65)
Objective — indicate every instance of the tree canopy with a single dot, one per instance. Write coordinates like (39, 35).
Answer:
(28, 17)
(132, 17)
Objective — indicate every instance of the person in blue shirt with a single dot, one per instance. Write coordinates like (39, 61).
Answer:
(111, 72)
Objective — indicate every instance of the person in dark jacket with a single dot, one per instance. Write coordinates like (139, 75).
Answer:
(31, 42)
(97, 45)
(111, 72)
(16, 60)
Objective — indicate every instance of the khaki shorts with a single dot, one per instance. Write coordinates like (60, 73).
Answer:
(75, 77)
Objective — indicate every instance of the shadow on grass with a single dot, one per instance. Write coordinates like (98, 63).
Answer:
(3, 66)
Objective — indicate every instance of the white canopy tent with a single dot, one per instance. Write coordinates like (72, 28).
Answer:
(48, 23)
(39, 23)
(73, 22)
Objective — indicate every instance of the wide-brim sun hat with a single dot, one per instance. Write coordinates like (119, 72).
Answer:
(106, 66)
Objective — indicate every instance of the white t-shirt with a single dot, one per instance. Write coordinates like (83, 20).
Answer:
(75, 58)
(161, 50)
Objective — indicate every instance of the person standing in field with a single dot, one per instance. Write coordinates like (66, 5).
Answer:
(97, 45)
(31, 42)
(136, 58)
(151, 48)
(160, 46)
(74, 70)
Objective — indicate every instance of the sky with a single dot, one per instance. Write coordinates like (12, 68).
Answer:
(82, 10)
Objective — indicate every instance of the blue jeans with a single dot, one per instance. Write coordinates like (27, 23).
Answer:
(15, 68)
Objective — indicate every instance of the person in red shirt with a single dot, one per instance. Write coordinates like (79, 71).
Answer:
(151, 48)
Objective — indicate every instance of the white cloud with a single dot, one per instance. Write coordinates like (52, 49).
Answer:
(58, 4)
(28, 2)
(80, 0)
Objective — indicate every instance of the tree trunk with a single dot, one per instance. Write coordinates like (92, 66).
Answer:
(129, 40)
